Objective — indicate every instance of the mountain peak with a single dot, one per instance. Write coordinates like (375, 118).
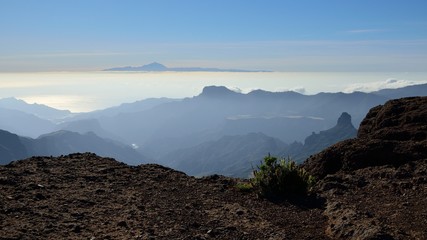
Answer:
(344, 120)
(12, 100)
(217, 91)
(154, 66)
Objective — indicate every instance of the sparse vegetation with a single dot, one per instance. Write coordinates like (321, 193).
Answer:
(244, 186)
(280, 177)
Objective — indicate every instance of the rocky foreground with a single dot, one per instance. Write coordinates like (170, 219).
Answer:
(83, 196)
(376, 184)
(370, 187)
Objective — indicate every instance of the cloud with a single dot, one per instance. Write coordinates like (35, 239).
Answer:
(63, 54)
(390, 83)
(391, 80)
(298, 90)
(235, 89)
(360, 31)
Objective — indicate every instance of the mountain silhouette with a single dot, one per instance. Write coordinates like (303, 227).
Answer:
(23, 123)
(236, 155)
(408, 91)
(66, 142)
(218, 111)
(230, 155)
(316, 142)
(38, 110)
(11, 147)
(14, 147)
(158, 67)
(157, 127)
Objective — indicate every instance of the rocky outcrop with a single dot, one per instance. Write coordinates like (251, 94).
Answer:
(376, 185)
(316, 142)
(402, 120)
(393, 133)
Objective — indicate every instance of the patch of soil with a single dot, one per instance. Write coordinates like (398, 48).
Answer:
(385, 202)
(83, 196)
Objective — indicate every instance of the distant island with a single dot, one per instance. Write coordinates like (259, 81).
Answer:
(158, 67)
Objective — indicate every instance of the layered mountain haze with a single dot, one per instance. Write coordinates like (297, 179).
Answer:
(201, 120)
(14, 147)
(11, 147)
(65, 142)
(408, 91)
(23, 123)
(316, 142)
(235, 156)
(239, 155)
(38, 110)
(367, 188)
(209, 129)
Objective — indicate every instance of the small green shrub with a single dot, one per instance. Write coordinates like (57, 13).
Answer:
(280, 177)
(244, 186)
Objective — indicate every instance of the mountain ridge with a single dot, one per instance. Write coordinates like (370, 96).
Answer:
(158, 67)
(14, 147)
(364, 190)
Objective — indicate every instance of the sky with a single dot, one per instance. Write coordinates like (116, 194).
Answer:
(277, 35)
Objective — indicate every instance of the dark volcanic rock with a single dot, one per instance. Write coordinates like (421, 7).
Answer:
(393, 133)
(376, 185)
(401, 119)
(83, 196)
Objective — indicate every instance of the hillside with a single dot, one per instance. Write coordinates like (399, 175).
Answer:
(14, 147)
(11, 147)
(316, 142)
(370, 187)
(38, 110)
(158, 127)
(66, 142)
(237, 155)
(83, 196)
(376, 182)
(23, 123)
(230, 155)
(216, 112)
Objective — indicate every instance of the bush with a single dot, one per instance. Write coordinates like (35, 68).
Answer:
(277, 178)
(244, 186)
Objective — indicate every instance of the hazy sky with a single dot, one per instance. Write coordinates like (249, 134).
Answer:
(282, 35)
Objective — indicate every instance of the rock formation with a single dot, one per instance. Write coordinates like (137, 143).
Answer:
(376, 185)
(316, 142)
(393, 133)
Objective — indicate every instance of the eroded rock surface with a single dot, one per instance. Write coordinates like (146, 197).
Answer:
(83, 196)
(376, 185)
(393, 133)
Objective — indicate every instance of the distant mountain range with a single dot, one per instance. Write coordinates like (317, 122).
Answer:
(14, 147)
(157, 67)
(179, 131)
(38, 110)
(237, 155)
(316, 142)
